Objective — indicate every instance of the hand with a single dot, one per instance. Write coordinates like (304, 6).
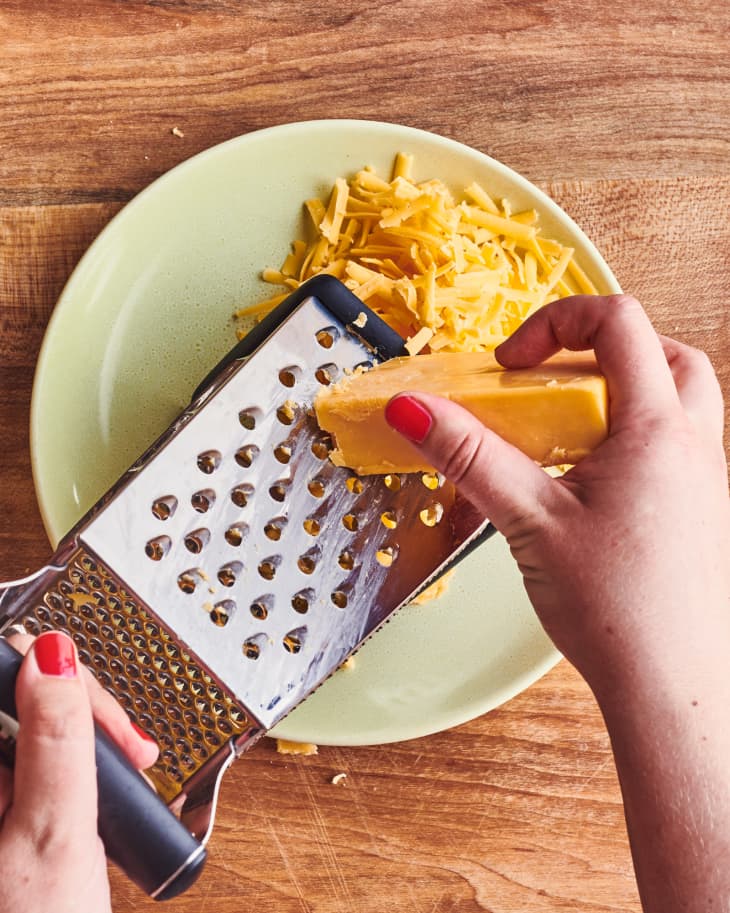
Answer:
(626, 559)
(52, 855)
(620, 552)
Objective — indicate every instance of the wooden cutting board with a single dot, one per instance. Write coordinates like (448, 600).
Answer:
(621, 113)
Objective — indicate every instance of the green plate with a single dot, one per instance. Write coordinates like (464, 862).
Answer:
(147, 313)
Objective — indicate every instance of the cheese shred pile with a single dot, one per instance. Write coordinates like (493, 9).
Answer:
(469, 271)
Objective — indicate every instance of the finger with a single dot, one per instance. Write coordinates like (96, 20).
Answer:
(139, 747)
(697, 385)
(627, 349)
(500, 480)
(6, 790)
(54, 790)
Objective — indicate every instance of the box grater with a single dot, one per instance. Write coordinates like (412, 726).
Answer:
(231, 570)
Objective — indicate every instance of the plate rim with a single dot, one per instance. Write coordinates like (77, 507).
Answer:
(550, 656)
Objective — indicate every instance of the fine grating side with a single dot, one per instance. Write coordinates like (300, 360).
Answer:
(157, 682)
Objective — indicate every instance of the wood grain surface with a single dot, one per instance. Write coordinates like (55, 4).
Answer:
(621, 113)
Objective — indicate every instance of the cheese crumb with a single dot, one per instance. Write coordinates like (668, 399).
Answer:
(422, 338)
(338, 778)
(360, 320)
(435, 590)
(176, 131)
(284, 746)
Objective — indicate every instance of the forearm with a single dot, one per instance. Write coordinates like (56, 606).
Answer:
(671, 742)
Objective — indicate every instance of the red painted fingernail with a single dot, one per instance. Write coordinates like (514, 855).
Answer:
(141, 733)
(409, 417)
(55, 654)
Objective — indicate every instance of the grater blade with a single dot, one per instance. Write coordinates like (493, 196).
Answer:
(233, 568)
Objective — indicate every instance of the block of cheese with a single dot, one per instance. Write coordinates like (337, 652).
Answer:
(556, 412)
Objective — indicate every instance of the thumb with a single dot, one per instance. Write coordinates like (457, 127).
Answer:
(54, 788)
(501, 481)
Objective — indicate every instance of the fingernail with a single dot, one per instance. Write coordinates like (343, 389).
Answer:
(409, 417)
(55, 654)
(141, 733)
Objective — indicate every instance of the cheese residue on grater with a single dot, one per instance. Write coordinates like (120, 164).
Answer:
(470, 271)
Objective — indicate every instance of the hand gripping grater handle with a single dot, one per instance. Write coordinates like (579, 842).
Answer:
(140, 834)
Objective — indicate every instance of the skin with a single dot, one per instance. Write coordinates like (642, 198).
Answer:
(52, 855)
(626, 560)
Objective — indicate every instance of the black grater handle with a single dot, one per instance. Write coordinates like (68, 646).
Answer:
(139, 832)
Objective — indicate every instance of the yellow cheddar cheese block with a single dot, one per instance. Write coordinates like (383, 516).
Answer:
(556, 412)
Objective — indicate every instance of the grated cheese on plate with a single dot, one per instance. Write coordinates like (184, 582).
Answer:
(470, 271)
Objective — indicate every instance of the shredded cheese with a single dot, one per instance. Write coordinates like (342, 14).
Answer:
(285, 746)
(469, 271)
(422, 338)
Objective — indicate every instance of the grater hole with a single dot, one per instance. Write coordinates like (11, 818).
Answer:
(235, 533)
(307, 562)
(209, 461)
(274, 528)
(302, 600)
(222, 611)
(259, 610)
(229, 572)
(327, 337)
(240, 495)
(286, 413)
(248, 418)
(283, 453)
(432, 480)
(346, 560)
(362, 366)
(253, 646)
(339, 598)
(164, 508)
(289, 376)
(325, 374)
(312, 526)
(157, 548)
(316, 488)
(188, 580)
(351, 522)
(393, 482)
(246, 455)
(196, 541)
(354, 484)
(136, 659)
(278, 491)
(294, 640)
(389, 519)
(269, 566)
(432, 515)
(386, 555)
(321, 448)
(202, 501)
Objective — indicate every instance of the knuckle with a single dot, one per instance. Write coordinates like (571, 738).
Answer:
(57, 718)
(699, 361)
(624, 305)
(467, 453)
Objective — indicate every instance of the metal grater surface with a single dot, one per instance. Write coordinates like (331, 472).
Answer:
(233, 568)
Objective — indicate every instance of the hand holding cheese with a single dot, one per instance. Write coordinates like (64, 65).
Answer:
(556, 412)
(626, 559)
